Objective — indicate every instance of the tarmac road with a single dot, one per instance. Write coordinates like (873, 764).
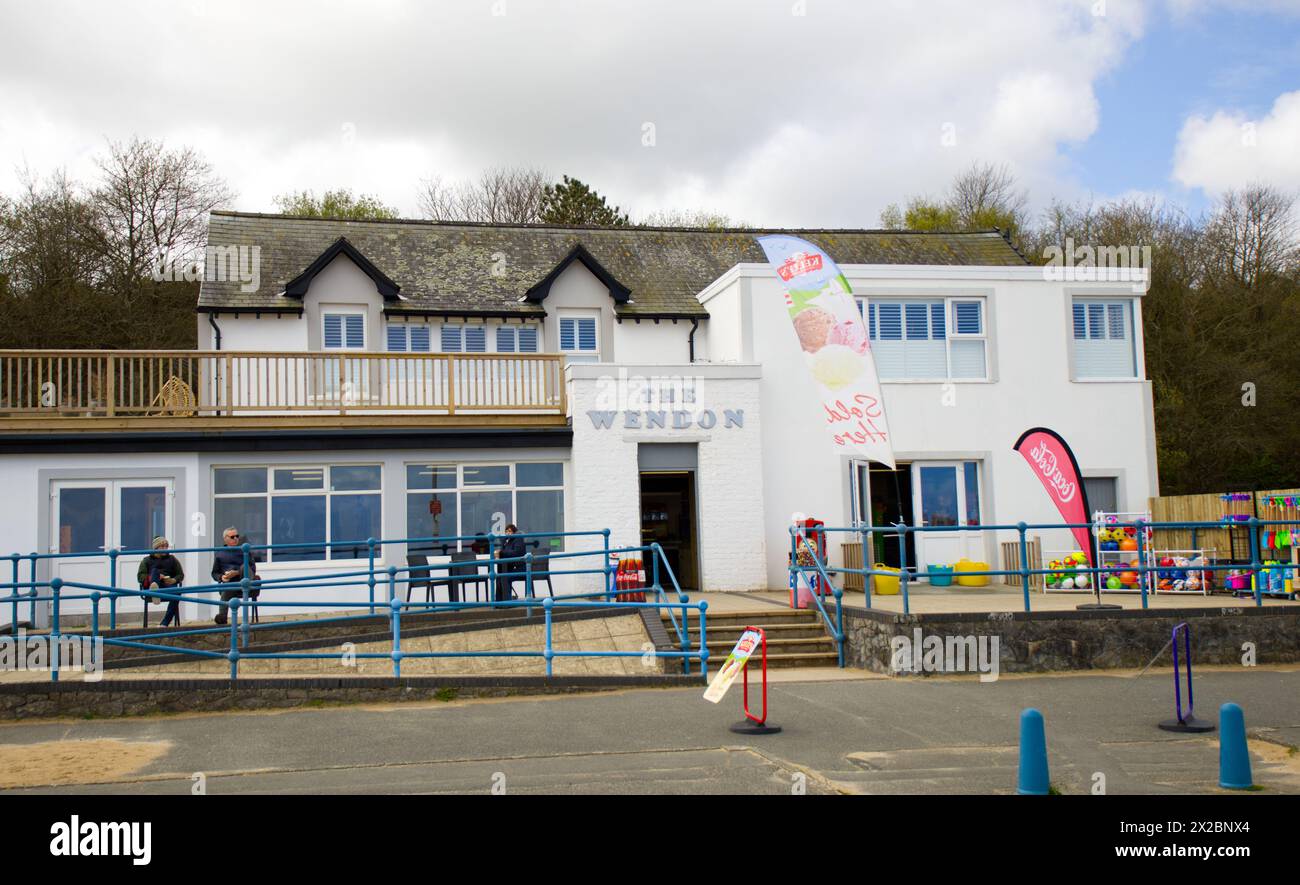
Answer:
(912, 735)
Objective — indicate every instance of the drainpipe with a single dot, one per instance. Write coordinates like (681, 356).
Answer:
(695, 325)
(212, 321)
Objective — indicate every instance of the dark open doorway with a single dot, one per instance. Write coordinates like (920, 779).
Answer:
(891, 501)
(668, 519)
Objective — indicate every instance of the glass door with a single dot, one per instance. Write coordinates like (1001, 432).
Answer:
(91, 517)
(947, 496)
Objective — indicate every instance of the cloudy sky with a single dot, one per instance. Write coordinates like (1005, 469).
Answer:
(776, 112)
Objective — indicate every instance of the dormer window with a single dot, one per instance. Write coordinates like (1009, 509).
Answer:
(579, 336)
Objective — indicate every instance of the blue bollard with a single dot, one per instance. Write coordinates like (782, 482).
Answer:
(1234, 757)
(1033, 779)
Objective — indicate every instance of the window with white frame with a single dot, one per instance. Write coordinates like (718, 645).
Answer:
(464, 338)
(580, 337)
(516, 339)
(408, 338)
(311, 507)
(929, 339)
(343, 330)
(1104, 343)
(450, 500)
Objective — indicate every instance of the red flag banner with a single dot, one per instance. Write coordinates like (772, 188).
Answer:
(1053, 463)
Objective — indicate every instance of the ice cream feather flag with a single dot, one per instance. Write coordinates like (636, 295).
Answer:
(835, 345)
(1052, 461)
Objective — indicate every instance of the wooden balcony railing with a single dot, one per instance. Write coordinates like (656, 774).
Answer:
(103, 383)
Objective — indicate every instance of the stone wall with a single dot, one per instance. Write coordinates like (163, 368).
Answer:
(1032, 642)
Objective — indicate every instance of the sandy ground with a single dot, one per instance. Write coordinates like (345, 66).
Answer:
(56, 763)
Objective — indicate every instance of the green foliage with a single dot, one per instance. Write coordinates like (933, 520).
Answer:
(339, 203)
(572, 202)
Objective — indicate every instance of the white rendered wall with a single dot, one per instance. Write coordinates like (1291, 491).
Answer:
(729, 480)
(1108, 424)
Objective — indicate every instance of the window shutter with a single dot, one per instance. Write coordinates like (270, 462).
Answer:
(1080, 326)
(528, 339)
(871, 321)
(396, 338)
(968, 319)
(475, 339)
(419, 339)
(356, 331)
(505, 339)
(1104, 345)
(333, 331)
(587, 333)
(451, 339)
(937, 326)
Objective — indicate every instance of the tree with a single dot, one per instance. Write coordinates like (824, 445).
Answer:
(500, 195)
(572, 202)
(335, 204)
(982, 197)
(691, 218)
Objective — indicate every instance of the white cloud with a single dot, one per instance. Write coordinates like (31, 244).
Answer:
(775, 118)
(1230, 150)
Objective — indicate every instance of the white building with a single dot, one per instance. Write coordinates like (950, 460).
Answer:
(410, 379)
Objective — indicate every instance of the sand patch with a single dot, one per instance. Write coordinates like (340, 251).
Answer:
(56, 763)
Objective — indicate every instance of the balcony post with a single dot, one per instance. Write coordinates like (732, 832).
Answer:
(451, 385)
(110, 387)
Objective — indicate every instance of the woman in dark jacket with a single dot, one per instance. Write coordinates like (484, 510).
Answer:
(161, 570)
(512, 547)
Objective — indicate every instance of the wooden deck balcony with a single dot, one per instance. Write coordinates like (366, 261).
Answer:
(52, 390)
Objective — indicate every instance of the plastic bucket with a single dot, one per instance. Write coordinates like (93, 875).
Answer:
(886, 583)
(940, 576)
(965, 565)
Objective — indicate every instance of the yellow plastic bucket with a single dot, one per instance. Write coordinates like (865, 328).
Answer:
(965, 565)
(885, 584)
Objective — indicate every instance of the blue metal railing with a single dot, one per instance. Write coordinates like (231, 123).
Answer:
(59, 592)
(1255, 567)
(836, 627)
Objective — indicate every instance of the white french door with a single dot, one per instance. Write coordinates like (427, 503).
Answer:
(946, 493)
(92, 517)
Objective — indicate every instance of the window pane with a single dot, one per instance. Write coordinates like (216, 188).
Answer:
(300, 478)
(937, 325)
(475, 339)
(1118, 328)
(298, 519)
(247, 515)
(586, 334)
(968, 358)
(356, 329)
(1108, 351)
(968, 318)
(430, 515)
(487, 476)
(333, 331)
(891, 322)
(1096, 321)
(396, 338)
(419, 338)
(143, 516)
(485, 512)
(542, 512)
(451, 339)
(939, 495)
(972, 493)
(539, 475)
(236, 480)
(918, 326)
(505, 339)
(568, 336)
(355, 479)
(528, 339)
(430, 476)
(82, 520)
(354, 518)
(871, 321)
(1080, 326)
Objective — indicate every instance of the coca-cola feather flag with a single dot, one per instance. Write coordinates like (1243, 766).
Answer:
(835, 345)
(1053, 462)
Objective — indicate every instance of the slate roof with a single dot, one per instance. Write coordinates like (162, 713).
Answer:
(464, 268)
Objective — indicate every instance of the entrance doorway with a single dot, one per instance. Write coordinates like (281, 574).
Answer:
(947, 494)
(92, 517)
(668, 519)
(883, 497)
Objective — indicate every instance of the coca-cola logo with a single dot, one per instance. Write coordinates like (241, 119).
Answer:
(1046, 460)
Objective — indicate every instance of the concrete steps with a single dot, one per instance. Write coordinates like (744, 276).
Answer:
(795, 638)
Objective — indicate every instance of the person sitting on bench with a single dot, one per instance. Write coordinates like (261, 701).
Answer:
(228, 568)
(161, 570)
